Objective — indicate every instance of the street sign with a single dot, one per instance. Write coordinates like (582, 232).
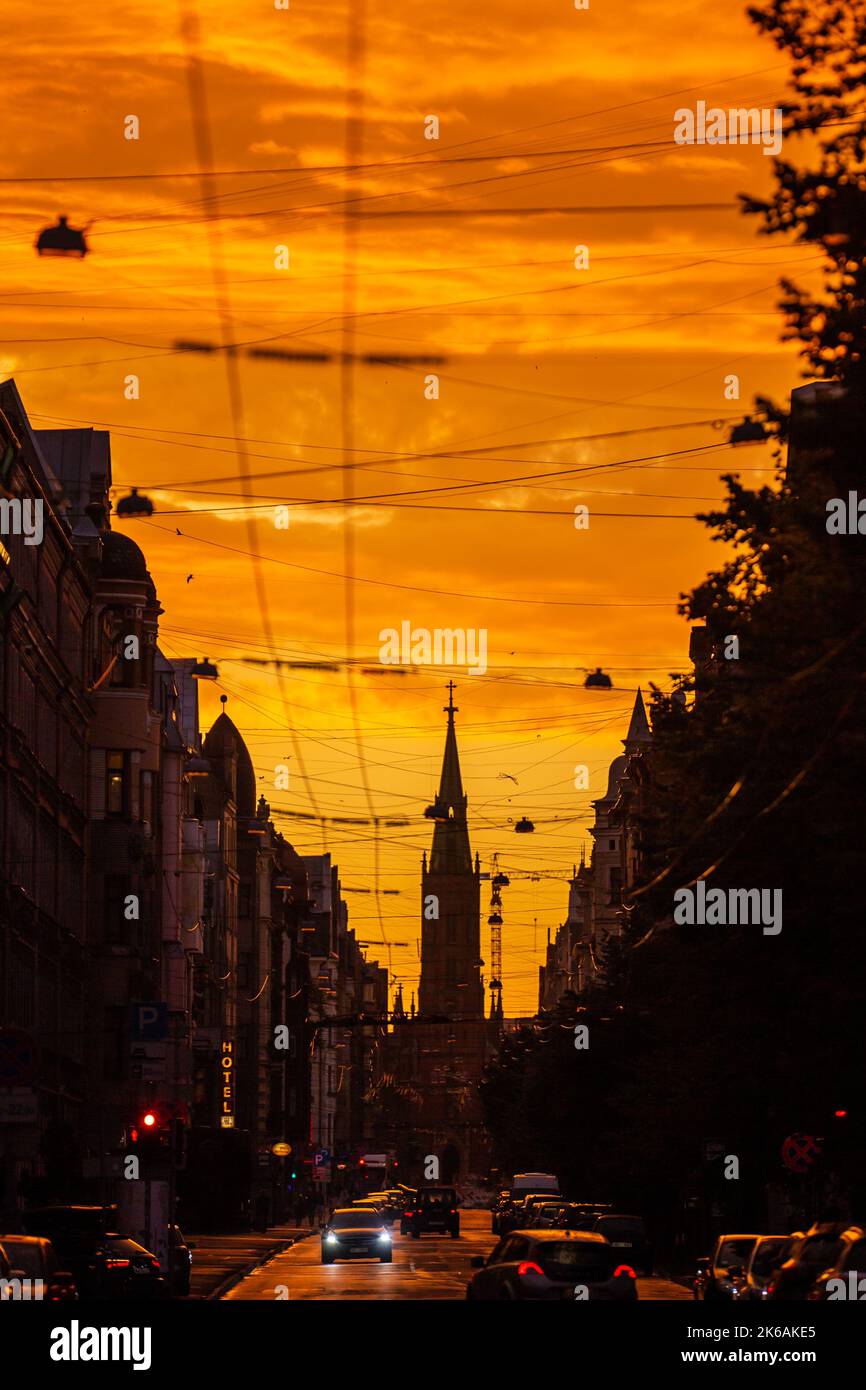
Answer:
(375, 1160)
(800, 1151)
(19, 1107)
(17, 1057)
(149, 1022)
(321, 1158)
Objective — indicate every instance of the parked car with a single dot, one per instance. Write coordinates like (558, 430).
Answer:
(628, 1236)
(767, 1254)
(103, 1263)
(848, 1272)
(497, 1207)
(547, 1216)
(715, 1274)
(582, 1216)
(552, 1265)
(390, 1204)
(356, 1233)
(513, 1214)
(179, 1262)
(34, 1258)
(819, 1250)
(434, 1212)
(526, 1213)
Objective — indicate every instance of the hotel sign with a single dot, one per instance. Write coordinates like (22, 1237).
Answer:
(227, 1069)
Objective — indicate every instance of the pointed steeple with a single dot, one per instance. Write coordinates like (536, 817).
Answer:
(639, 734)
(450, 852)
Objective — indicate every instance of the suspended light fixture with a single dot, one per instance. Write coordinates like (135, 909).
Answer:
(598, 680)
(494, 920)
(501, 880)
(524, 826)
(61, 240)
(133, 505)
(197, 767)
(204, 670)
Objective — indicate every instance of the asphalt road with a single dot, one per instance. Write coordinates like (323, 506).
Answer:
(434, 1267)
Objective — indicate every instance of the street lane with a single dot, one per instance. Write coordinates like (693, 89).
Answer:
(434, 1267)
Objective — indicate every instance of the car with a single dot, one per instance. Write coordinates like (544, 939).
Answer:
(356, 1233)
(179, 1262)
(33, 1258)
(628, 1236)
(715, 1274)
(514, 1211)
(819, 1250)
(526, 1213)
(389, 1203)
(547, 1215)
(552, 1265)
(497, 1207)
(103, 1262)
(846, 1278)
(768, 1253)
(434, 1211)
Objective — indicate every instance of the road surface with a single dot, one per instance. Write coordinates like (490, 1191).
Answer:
(434, 1267)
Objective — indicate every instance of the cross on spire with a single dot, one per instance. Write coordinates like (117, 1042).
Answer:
(451, 709)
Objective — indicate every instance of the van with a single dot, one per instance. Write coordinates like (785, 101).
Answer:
(534, 1182)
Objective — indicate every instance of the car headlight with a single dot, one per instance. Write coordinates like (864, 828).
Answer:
(330, 1238)
(385, 1236)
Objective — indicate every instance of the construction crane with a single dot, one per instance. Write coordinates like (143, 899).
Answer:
(494, 921)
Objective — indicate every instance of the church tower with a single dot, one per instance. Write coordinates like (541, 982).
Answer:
(451, 899)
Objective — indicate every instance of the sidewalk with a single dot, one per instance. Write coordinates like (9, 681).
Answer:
(220, 1260)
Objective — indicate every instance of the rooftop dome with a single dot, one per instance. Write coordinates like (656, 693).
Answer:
(221, 741)
(617, 770)
(122, 558)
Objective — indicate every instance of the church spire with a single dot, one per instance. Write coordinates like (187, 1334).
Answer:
(450, 852)
(638, 730)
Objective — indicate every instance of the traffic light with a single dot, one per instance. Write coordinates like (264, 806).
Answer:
(150, 1135)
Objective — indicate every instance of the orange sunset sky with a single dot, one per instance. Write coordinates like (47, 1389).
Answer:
(556, 129)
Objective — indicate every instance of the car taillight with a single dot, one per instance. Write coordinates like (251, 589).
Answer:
(528, 1267)
(453, 1211)
(625, 1270)
(117, 1264)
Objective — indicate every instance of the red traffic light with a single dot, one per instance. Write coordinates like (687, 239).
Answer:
(148, 1119)
(841, 1114)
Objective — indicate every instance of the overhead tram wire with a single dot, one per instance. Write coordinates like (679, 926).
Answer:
(197, 95)
(354, 145)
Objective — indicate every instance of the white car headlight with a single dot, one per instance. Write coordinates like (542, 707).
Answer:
(330, 1238)
(385, 1236)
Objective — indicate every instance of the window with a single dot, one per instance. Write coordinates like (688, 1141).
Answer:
(115, 784)
(611, 844)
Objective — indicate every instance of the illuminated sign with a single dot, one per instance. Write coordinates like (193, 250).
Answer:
(227, 1066)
